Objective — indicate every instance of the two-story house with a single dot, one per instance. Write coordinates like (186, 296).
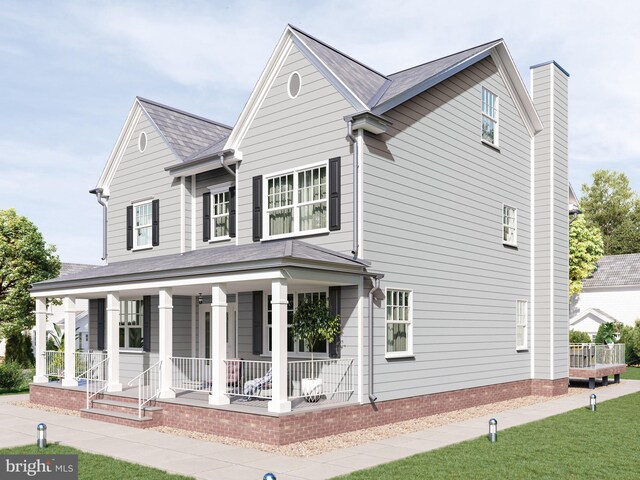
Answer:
(428, 207)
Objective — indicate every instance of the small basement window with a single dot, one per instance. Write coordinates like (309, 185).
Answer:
(294, 85)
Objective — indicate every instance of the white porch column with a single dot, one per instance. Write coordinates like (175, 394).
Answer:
(41, 341)
(165, 308)
(113, 342)
(279, 402)
(69, 305)
(218, 345)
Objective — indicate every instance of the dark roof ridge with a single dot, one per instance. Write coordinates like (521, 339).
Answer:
(177, 110)
(338, 51)
(446, 56)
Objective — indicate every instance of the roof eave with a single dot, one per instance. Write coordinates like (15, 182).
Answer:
(204, 164)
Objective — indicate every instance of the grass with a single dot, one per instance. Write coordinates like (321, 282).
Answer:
(575, 445)
(92, 466)
(632, 373)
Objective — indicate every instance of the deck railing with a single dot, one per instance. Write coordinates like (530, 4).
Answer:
(54, 361)
(148, 383)
(192, 374)
(96, 377)
(55, 366)
(591, 355)
(248, 378)
(330, 378)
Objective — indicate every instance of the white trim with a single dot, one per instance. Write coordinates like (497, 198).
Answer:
(142, 135)
(137, 247)
(291, 96)
(525, 332)
(183, 214)
(409, 351)
(194, 303)
(220, 187)
(360, 226)
(551, 224)
(217, 190)
(360, 307)
(533, 256)
(194, 220)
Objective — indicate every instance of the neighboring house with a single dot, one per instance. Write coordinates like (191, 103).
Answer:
(429, 204)
(613, 291)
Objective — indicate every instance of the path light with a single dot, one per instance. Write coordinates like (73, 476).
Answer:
(42, 435)
(592, 402)
(269, 476)
(493, 430)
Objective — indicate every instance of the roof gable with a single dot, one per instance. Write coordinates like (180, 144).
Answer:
(596, 314)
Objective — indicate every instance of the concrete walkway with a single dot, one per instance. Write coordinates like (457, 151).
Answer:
(208, 460)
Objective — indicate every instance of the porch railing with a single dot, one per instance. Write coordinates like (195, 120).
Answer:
(148, 383)
(54, 361)
(257, 373)
(330, 378)
(96, 377)
(86, 360)
(591, 355)
(193, 374)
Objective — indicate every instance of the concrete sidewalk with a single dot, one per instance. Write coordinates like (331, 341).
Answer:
(208, 460)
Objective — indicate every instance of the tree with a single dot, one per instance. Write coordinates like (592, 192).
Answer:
(25, 258)
(576, 336)
(585, 248)
(611, 205)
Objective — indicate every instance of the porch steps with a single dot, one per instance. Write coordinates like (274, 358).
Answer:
(123, 413)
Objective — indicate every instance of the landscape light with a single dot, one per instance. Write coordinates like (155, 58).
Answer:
(269, 476)
(493, 430)
(592, 402)
(42, 435)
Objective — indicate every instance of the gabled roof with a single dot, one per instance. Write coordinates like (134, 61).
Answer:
(185, 133)
(74, 268)
(615, 271)
(600, 316)
(279, 253)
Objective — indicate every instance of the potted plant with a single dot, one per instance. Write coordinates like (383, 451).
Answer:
(312, 323)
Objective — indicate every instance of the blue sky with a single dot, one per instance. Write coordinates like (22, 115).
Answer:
(69, 72)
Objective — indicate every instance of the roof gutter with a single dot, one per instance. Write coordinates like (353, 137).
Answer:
(226, 167)
(98, 193)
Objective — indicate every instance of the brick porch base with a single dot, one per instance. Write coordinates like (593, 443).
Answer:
(307, 425)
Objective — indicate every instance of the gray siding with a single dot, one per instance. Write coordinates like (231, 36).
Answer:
(289, 133)
(433, 196)
(551, 223)
(140, 176)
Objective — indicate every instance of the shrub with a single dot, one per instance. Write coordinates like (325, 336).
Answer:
(576, 336)
(12, 375)
(19, 349)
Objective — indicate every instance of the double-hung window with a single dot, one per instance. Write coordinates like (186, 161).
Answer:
(509, 225)
(297, 202)
(142, 225)
(220, 214)
(131, 323)
(521, 324)
(399, 320)
(489, 117)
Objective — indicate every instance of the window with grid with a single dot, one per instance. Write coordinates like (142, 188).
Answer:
(509, 225)
(489, 117)
(293, 300)
(142, 225)
(521, 324)
(220, 214)
(131, 321)
(297, 201)
(399, 322)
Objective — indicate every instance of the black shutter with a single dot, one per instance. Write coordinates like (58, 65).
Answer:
(257, 322)
(155, 223)
(334, 194)
(129, 227)
(334, 309)
(146, 323)
(257, 208)
(232, 212)
(206, 217)
(98, 305)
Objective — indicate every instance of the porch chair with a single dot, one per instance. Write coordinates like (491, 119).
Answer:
(234, 375)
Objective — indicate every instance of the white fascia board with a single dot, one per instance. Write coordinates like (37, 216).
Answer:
(260, 91)
(165, 283)
(328, 277)
(205, 166)
(104, 182)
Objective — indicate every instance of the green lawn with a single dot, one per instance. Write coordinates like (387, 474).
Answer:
(91, 466)
(575, 445)
(632, 373)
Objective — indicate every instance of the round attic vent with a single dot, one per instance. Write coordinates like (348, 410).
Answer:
(142, 142)
(295, 82)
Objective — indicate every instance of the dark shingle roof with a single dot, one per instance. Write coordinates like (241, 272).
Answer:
(221, 259)
(616, 270)
(74, 268)
(186, 133)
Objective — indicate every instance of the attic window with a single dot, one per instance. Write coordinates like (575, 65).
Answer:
(142, 142)
(295, 82)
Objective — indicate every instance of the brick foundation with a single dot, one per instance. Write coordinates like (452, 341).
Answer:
(307, 425)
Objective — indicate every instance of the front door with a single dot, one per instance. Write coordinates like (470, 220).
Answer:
(205, 327)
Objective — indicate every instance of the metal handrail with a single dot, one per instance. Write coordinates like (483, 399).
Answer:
(95, 376)
(190, 374)
(148, 385)
(592, 355)
(330, 378)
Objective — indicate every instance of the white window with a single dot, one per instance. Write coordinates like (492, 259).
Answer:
(220, 215)
(399, 319)
(489, 117)
(297, 202)
(295, 347)
(131, 322)
(509, 225)
(142, 225)
(521, 324)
